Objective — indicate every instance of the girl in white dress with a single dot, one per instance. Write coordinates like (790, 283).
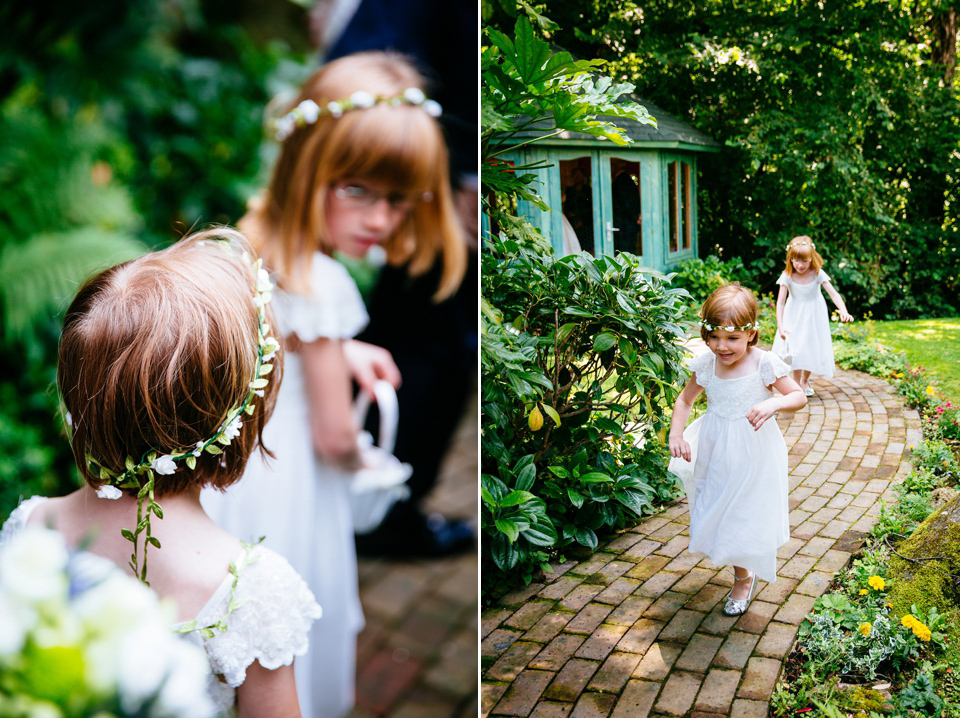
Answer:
(168, 375)
(802, 313)
(733, 460)
(362, 166)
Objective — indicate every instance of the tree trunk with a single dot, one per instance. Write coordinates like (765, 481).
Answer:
(944, 50)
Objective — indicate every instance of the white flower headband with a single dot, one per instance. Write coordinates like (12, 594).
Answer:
(729, 328)
(801, 244)
(308, 111)
(153, 461)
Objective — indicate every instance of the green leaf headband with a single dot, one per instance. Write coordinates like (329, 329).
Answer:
(153, 461)
(729, 328)
(308, 111)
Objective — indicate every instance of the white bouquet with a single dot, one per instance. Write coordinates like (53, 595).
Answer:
(80, 638)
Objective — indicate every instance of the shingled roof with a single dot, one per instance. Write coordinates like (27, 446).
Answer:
(669, 132)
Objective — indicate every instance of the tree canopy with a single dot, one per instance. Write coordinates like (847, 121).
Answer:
(837, 119)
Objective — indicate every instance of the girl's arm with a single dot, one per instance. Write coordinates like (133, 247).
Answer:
(679, 448)
(268, 694)
(845, 316)
(791, 399)
(781, 301)
(330, 397)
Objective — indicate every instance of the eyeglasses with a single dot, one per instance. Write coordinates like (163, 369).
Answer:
(360, 196)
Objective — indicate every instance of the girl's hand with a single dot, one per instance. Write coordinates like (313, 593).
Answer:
(758, 414)
(784, 333)
(680, 448)
(845, 316)
(369, 363)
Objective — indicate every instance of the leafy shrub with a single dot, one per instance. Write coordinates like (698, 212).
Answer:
(574, 350)
(853, 348)
(914, 386)
(920, 696)
(700, 277)
(947, 420)
(937, 458)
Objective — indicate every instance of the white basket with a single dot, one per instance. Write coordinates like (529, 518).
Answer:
(382, 482)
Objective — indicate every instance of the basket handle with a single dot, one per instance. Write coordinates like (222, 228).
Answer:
(388, 407)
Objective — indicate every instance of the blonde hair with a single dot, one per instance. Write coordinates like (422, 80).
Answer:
(401, 146)
(730, 305)
(801, 248)
(156, 352)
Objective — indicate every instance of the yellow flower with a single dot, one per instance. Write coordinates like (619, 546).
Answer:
(864, 628)
(929, 391)
(876, 583)
(908, 621)
(921, 631)
(888, 605)
(899, 375)
(864, 592)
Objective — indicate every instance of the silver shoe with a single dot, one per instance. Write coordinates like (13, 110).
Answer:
(733, 607)
(808, 391)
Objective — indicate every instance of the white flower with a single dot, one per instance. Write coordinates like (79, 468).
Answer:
(285, 127)
(17, 620)
(335, 109)
(184, 693)
(414, 95)
(264, 283)
(376, 256)
(199, 449)
(310, 111)
(258, 392)
(32, 567)
(164, 465)
(362, 99)
(232, 430)
(68, 419)
(107, 491)
(144, 658)
(432, 108)
(270, 347)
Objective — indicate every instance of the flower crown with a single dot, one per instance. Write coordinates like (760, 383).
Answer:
(308, 111)
(728, 328)
(801, 244)
(155, 462)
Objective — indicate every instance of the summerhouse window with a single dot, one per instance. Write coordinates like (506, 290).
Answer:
(680, 205)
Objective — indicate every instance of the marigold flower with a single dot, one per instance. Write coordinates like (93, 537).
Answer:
(876, 583)
(921, 631)
(929, 390)
(908, 621)
(864, 628)
(864, 592)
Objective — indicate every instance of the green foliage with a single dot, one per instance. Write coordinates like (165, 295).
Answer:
(947, 420)
(854, 348)
(836, 121)
(701, 277)
(920, 696)
(574, 351)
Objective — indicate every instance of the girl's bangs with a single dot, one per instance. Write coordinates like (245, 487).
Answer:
(401, 147)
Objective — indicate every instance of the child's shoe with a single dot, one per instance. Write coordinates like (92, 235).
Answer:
(735, 607)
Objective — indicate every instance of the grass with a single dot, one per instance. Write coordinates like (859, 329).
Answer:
(934, 344)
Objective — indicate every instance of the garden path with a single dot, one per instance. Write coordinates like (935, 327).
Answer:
(417, 653)
(637, 629)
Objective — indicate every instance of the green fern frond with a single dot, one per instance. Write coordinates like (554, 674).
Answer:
(40, 277)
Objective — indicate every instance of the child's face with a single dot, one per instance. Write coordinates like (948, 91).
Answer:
(362, 214)
(730, 347)
(800, 266)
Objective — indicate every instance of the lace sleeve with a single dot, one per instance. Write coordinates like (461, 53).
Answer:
(783, 278)
(18, 518)
(275, 610)
(772, 368)
(702, 368)
(333, 309)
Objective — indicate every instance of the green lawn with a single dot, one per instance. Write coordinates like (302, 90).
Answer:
(934, 344)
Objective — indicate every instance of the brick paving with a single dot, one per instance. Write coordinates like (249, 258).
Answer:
(637, 629)
(417, 654)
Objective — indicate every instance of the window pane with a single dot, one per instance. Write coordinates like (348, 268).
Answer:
(687, 208)
(576, 182)
(625, 188)
(673, 202)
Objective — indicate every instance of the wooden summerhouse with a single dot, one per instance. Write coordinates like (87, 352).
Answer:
(640, 198)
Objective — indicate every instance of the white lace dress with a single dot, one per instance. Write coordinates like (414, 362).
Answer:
(271, 624)
(300, 503)
(805, 315)
(736, 482)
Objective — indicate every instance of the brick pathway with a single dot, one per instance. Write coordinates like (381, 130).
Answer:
(417, 655)
(637, 629)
